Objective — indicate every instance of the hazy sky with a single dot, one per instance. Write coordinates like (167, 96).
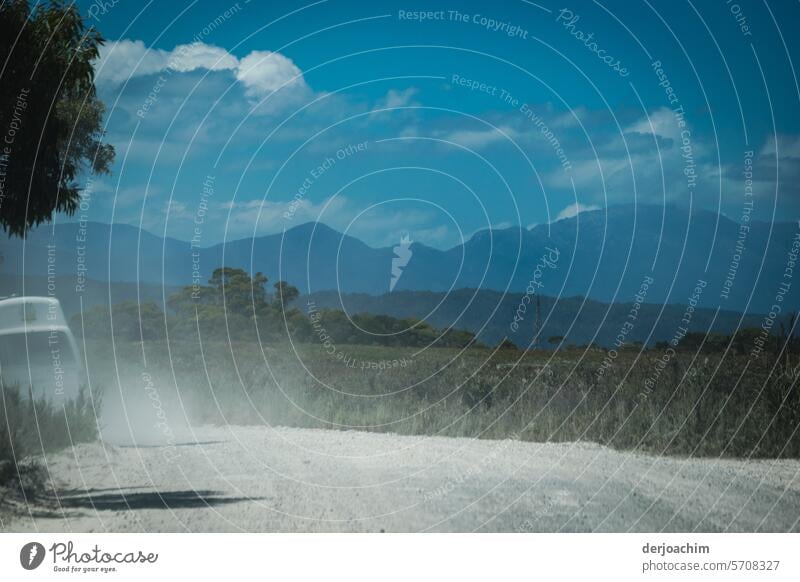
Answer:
(235, 118)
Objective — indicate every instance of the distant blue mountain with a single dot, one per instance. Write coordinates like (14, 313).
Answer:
(603, 255)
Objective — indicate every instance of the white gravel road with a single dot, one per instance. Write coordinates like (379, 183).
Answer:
(282, 479)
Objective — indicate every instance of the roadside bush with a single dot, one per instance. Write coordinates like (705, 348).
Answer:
(29, 429)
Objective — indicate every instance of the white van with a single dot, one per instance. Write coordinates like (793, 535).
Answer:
(38, 352)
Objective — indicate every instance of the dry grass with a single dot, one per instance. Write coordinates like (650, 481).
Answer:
(30, 429)
(703, 406)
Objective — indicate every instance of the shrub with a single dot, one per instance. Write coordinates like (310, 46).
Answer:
(31, 428)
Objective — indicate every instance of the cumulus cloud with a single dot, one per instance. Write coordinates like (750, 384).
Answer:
(264, 72)
(574, 210)
(121, 60)
(198, 55)
(124, 59)
(260, 72)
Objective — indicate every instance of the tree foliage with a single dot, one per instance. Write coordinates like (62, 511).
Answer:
(50, 115)
(285, 294)
(236, 306)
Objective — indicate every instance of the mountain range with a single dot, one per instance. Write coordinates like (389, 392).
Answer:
(603, 255)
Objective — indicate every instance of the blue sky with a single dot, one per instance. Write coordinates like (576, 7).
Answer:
(237, 118)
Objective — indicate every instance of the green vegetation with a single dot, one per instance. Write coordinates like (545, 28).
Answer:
(782, 344)
(49, 112)
(236, 306)
(29, 429)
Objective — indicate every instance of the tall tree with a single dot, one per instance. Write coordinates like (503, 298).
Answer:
(50, 115)
(285, 294)
(237, 291)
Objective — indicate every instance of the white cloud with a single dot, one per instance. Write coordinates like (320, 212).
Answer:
(480, 138)
(660, 122)
(395, 98)
(123, 59)
(260, 72)
(570, 119)
(264, 72)
(783, 146)
(574, 210)
(435, 236)
(198, 55)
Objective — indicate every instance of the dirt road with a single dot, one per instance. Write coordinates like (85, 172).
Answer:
(282, 479)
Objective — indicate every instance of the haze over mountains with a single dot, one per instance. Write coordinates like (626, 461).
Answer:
(603, 255)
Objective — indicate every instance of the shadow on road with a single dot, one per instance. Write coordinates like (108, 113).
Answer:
(122, 501)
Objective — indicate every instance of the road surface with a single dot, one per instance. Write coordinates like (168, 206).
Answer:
(284, 479)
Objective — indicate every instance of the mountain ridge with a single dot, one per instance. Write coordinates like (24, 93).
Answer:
(602, 254)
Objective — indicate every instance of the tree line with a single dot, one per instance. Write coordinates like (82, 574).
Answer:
(237, 306)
